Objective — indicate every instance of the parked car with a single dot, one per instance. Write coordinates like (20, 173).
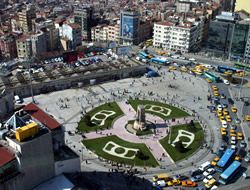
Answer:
(197, 178)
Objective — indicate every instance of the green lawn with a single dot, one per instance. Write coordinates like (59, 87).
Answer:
(96, 146)
(176, 112)
(83, 126)
(173, 152)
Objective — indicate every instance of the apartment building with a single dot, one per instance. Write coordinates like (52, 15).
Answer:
(8, 46)
(72, 32)
(24, 46)
(25, 18)
(104, 33)
(184, 37)
(32, 150)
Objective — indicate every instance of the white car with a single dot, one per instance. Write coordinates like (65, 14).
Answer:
(219, 107)
(183, 58)
(233, 147)
(205, 180)
(161, 183)
(192, 59)
(224, 124)
(233, 138)
(233, 142)
(209, 171)
(226, 82)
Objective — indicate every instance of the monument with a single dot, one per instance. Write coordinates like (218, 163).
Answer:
(140, 121)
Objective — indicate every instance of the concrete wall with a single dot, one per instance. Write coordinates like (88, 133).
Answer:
(71, 165)
(69, 82)
(6, 104)
(36, 162)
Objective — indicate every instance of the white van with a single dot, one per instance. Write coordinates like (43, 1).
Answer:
(204, 166)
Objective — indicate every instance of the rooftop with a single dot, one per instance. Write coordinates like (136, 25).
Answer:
(37, 113)
(5, 156)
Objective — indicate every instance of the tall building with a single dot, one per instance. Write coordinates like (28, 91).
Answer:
(25, 18)
(129, 26)
(72, 32)
(24, 46)
(83, 17)
(227, 37)
(32, 150)
(38, 43)
(8, 46)
(184, 37)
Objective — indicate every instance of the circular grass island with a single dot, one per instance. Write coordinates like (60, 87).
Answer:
(106, 134)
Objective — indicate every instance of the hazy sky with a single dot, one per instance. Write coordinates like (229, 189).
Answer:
(243, 4)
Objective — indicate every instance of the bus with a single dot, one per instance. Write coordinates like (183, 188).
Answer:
(143, 55)
(158, 60)
(223, 69)
(212, 76)
(225, 160)
(229, 173)
(242, 66)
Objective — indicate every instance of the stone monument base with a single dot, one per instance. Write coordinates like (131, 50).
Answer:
(140, 126)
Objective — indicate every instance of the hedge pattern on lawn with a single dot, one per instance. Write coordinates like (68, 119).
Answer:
(175, 112)
(86, 126)
(176, 154)
(96, 146)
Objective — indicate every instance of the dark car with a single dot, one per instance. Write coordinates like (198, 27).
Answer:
(180, 177)
(196, 172)
(230, 100)
(197, 178)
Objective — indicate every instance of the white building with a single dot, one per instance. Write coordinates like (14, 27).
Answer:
(184, 37)
(72, 32)
(105, 33)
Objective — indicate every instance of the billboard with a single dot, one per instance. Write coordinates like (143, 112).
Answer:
(128, 27)
(124, 50)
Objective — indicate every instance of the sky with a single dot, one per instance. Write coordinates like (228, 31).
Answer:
(243, 4)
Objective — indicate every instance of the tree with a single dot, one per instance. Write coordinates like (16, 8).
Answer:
(192, 125)
(87, 120)
(141, 155)
(179, 146)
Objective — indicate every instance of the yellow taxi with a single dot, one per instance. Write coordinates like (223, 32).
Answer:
(216, 93)
(234, 109)
(209, 80)
(247, 117)
(183, 69)
(215, 88)
(215, 160)
(219, 113)
(228, 72)
(240, 136)
(228, 118)
(174, 182)
(150, 56)
(172, 68)
(232, 134)
(222, 118)
(237, 157)
(210, 183)
(225, 112)
(223, 131)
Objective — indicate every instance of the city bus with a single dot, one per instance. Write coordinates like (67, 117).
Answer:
(242, 66)
(158, 60)
(143, 54)
(223, 69)
(212, 76)
(230, 172)
(225, 160)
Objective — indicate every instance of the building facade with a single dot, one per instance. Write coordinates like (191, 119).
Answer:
(25, 18)
(184, 37)
(129, 27)
(24, 46)
(228, 37)
(72, 32)
(38, 43)
(8, 46)
(83, 17)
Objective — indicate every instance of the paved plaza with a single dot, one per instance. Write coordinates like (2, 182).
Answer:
(178, 89)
